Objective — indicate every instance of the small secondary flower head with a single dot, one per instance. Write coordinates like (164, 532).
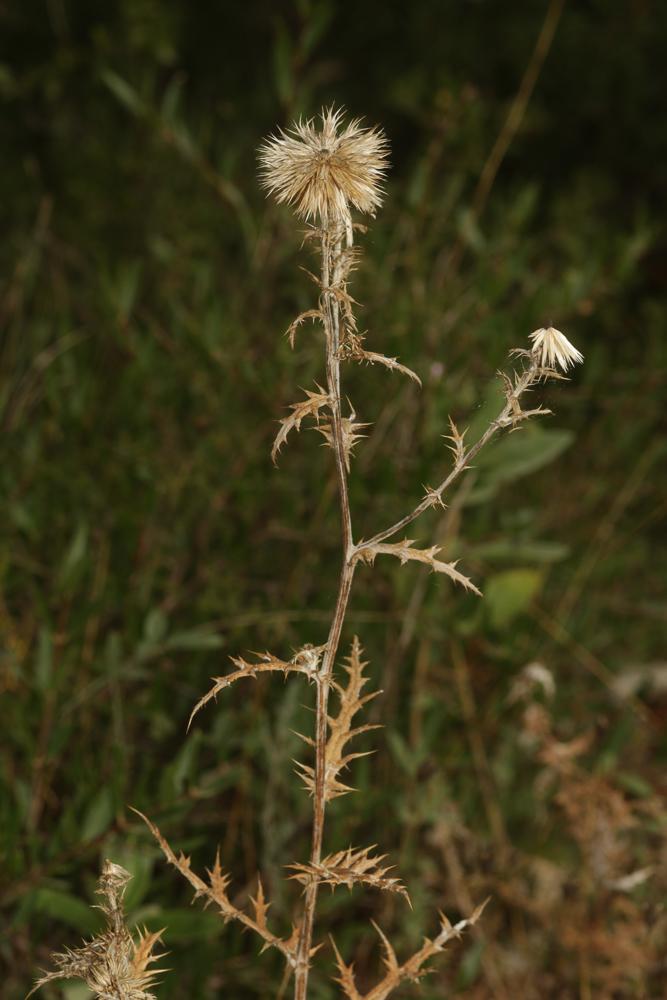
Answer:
(551, 348)
(321, 172)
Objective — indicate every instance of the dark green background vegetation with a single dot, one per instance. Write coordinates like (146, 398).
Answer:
(145, 536)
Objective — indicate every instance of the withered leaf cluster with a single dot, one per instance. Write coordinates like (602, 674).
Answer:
(348, 868)
(341, 731)
(115, 965)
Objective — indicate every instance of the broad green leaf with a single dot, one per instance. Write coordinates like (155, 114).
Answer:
(317, 19)
(155, 625)
(470, 964)
(122, 90)
(635, 784)
(509, 593)
(404, 756)
(64, 907)
(515, 455)
(74, 557)
(75, 990)
(184, 767)
(520, 551)
(44, 660)
(282, 63)
(98, 815)
(194, 639)
(181, 925)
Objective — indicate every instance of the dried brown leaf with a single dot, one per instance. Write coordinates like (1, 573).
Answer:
(345, 976)
(308, 407)
(143, 953)
(304, 662)
(373, 358)
(260, 905)
(457, 447)
(341, 731)
(313, 277)
(215, 891)
(434, 497)
(350, 431)
(313, 314)
(404, 551)
(350, 867)
(352, 349)
(346, 262)
(415, 967)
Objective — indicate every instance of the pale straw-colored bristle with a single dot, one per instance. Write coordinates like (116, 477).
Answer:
(322, 171)
(552, 348)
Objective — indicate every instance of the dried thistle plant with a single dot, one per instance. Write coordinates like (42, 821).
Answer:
(324, 170)
(115, 964)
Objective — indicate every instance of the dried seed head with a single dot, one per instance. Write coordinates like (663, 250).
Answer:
(321, 172)
(115, 964)
(551, 348)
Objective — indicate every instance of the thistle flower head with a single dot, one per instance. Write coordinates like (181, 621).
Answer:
(115, 964)
(551, 348)
(321, 171)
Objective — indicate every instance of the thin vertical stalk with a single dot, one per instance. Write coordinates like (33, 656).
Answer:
(330, 273)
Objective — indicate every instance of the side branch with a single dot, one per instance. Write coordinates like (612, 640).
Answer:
(333, 265)
(412, 970)
(406, 553)
(511, 416)
(304, 662)
(216, 892)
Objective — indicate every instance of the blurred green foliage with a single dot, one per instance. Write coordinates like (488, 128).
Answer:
(146, 535)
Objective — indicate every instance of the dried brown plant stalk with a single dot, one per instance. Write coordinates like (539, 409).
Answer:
(324, 170)
(114, 965)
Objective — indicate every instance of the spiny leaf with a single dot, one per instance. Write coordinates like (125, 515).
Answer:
(305, 661)
(308, 407)
(350, 432)
(345, 976)
(414, 968)
(313, 277)
(260, 905)
(216, 892)
(340, 727)
(404, 551)
(389, 958)
(434, 498)
(457, 447)
(143, 953)
(372, 358)
(314, 314)
(353, 349)
(350, 867)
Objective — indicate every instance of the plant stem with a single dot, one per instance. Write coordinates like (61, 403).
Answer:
(331, 250)
(509, 415)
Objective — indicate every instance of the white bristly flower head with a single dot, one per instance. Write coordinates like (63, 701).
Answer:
(552, 348)
(322, 171)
